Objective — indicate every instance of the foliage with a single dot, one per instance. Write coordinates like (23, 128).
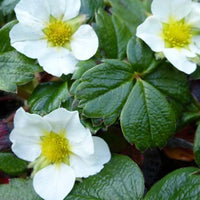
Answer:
(125, 86)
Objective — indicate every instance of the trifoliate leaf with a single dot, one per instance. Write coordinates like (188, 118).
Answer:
(107, 89)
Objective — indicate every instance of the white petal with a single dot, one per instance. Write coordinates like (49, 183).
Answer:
(28, 128)
(32, 14)
(84, 43)
(68, 121)
(31, 123)
(150, 31)
(58, 61)
(179, 60)
(57, 8)
(178, 9)
(195, 46)
(194, 16)
(72, 8)
(27, 41)
(85, 147)
(26, 150)
(59, 119)
(93, 164)
(76, 132)
(54, 182)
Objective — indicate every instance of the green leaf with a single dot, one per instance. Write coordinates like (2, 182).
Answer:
(140, 55)
(182, 184)
(113, 35)
(104, 89)
(7, 6)
(18, 189)
(147, 118)
(83, 66)
(197, 145)
(12, 165)
(16, 69)
(90, 7)
(132, 13)
(47, 97)
(196, 74)
(120, 179)
(122, 34)
(171, 82)
(108, 88)
(4, 37)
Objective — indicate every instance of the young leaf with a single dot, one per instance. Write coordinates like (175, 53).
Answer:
(47, 97)
(120, 179)
(18, 189)
(181, 184)
(147, 118)
(15, 69)
(197, 145)
(132, 13)
(12, 165)
(113, 35)
(90, 7)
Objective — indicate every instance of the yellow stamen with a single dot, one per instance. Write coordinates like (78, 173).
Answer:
(177, 34)
(58, 33)
(55, 148)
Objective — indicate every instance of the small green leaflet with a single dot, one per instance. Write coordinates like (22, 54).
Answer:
(131, 12)
(90, 7)
(47, 97)
(4, 37)
(113, 35)
(12, 165)
(197, 145)
(15, 69)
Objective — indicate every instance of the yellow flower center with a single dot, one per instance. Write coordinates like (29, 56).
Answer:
(58, 32)
(55, 148)
(177, 34)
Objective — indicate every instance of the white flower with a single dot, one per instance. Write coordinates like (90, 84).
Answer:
(51, 31)
(173, 29)
(59, 148)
